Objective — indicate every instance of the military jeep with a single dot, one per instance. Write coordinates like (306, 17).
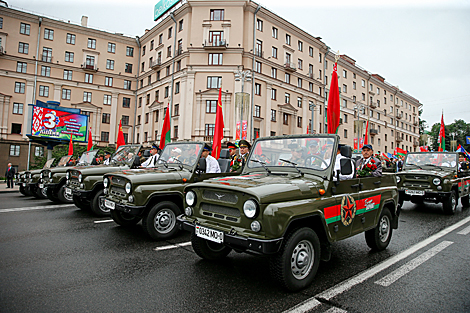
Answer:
(290, 211)
(34, 183)
(85, 183)
(434, 177)
(155, 195)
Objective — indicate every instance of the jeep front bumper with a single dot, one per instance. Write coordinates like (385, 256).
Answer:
(434, 196)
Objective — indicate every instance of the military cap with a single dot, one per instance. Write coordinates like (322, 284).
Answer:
(244, 143)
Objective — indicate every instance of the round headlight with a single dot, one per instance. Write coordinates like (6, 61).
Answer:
(398, 179)
(105, 191)
(80, 177)
(255, 226)
(131, 198)
(188, 211)
(128, 187)
(106, 182)
(249, 208)
(190, 198)
(50, 174)
(436, 181)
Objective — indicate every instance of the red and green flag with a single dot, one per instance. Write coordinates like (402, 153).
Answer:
(71, 145)
(166, 131)
(400, 151)
(90, 141)
(219, 128)
(442, 135)
(120, 139)
(333, 110)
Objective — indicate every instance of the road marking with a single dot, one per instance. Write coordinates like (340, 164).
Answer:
(36, 208)
(311, 303)
(176, 245)
(411, 265)
(336, 310)
(103, 221)
(464, 231)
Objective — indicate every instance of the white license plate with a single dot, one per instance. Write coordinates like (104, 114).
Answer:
(41, 186)
(414, 192)
(209, 234)
(109, 204)
(68, 191)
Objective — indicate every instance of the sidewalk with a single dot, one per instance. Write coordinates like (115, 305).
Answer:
(4, 189)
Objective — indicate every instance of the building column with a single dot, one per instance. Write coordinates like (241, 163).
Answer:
(28, 110)
(113, 118)
(305, 114)
(267, 127)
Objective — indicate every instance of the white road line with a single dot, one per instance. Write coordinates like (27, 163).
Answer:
(336, 310)
(103, 221)
(36, 208)
(359, 278)
(464, 231)
(411, 265)
(176, 245)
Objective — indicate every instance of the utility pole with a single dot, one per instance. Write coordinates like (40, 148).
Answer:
(242, 76)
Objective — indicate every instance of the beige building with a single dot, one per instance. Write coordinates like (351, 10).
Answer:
(200, 47)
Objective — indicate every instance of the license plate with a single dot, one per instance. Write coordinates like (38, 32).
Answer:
(109, 204)
(414, 192)
(68, 191)
(209, 234)
(41, 186)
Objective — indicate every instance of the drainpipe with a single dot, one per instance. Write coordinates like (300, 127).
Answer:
(253, 76)
(137, 40)
(173, 67)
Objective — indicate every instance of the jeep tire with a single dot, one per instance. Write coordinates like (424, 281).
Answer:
(465, 201)
(51, 195)
(449, 205)
(296, 264)
(160, 221)
(23, 191)
(41, 193)
(209, 250)
(97, 204)
(81, 204)
(63, 197)
(124, 219)
(379, 237)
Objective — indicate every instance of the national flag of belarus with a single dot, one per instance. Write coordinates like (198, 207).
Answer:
(333, 110)
(385, 156)
(400, 151)
(442, 135)
(71, 145)
(120, 139)
(219, 128)
(166, 131)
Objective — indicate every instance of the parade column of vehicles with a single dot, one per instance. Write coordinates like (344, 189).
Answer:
(29, 181)
(290, 211)
(434, 177)
(155, 195)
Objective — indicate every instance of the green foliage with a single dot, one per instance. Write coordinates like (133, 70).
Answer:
(460, 130)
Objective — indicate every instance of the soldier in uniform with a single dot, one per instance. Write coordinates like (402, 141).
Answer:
(154, 155)
(463, 165)
(368, 158)
(245, 147)
(107, 158)
(233, 150)
(297, 154)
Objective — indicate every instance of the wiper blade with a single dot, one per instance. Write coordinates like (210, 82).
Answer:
(294, 164)
(179, 163)
(434, 166)
(415, 165)
(165, 163)
(263, 164)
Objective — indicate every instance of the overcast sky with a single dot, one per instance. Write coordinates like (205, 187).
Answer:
(422, 46)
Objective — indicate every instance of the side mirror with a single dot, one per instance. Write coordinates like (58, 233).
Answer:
(346, 166)
(201, 165)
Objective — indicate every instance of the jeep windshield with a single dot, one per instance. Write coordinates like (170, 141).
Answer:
(181, 154)
(64, 160)
(312, 153)
(125, 154)
(432, 159)
(48, 163)
(87, 157)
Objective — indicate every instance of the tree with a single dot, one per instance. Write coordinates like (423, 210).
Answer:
(459, 128)
(422, 123)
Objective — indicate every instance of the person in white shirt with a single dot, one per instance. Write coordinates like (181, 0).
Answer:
(338, 166)
(107, 158)
(212, 166)
(152, 160)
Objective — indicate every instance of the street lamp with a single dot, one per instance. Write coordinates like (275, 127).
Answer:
(358, 107)
(312, 108)
(242, 76)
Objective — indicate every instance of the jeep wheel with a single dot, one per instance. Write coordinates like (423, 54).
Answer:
(296, 264)
(64, 197)
(160, 221)
(465, 201)
(379, 237)
(82, 205)
(51, 195)
(450, 204)
(97, 204)
(209, 250)
(23, 191)
(41, 193)
(124, 219)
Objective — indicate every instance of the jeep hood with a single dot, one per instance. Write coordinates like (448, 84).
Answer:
(153, 176)
(427, 172)
(98, 169)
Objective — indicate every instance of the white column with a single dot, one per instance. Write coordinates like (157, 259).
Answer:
(113, 118)
(269, 88)
(27, 110)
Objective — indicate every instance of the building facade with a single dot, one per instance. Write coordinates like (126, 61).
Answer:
(181, 63)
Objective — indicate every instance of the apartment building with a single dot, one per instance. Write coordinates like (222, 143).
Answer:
(182, 62)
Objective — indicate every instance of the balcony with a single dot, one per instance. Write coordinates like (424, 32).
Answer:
(373, 105)
(310, 75)
(399, 116)
(415, 123)
(289, 66)
(156, 64)
(46, 58)
(415, 143)
(373, 132)
(89, 67)
(398, 139)
(208, 138)
(215, 45)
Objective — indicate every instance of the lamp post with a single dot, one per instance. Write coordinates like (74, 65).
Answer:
(453, 143)
(242, 76)
(312, 108)
(358, 107)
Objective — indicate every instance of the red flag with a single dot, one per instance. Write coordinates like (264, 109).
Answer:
(308, 129)
(366, 136)
(333, 111)
(71, 145)
(90, 141)
(258, 149)
(424, 149)
(120, 139)
(165, 137)
(442, 135)
(385, 156)
(219, 128)
(401, 151)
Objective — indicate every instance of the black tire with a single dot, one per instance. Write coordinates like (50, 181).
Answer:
(28, 192)
(41, 193)
(62, 196)
(23, 191)
(160, 221)
(379, 237)
(296, 264)
(465, 201)
(124, 219)
(51, 195)
(209, 250)
(81, 204)
(449, 205)
(97, 205)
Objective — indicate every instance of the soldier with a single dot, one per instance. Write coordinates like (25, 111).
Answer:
(212, 166)
(297, 154)
(368, 165)
(175, 155)
(245, 147)
(107, 158)
(463, 165)
(152, 160)
(233, 150)
(189, 154)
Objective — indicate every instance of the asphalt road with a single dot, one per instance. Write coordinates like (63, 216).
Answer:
(57, 258)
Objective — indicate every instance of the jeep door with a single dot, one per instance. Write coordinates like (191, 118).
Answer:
(368, 204)
(346, 195)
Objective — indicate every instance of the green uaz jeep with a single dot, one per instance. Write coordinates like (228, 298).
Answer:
(291, 207)
(34, 184)
(155, 195)
(434, 177)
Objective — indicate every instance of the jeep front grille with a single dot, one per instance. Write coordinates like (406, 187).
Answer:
(118, 192)
(118, 181)
(219, 209)
(419, 184)
(220, 196)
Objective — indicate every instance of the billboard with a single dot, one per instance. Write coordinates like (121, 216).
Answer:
(58, 124)
(162, 7)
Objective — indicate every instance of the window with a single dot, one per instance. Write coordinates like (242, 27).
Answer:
(258, 67)
(288, 39)
(156, 115)
(168, 52)
(287, 98)
(215, 58)
(46, 54)
(21, 67)
(126, 102)
(257, 89)
(345, 103)
(217, 15)
(1, 22)
(91, 43)
(257, 112)
(104, 135)
(39, 151)
(160, 39)
(107, 99)
(111, 47)
(110, 64)
(214, 82)
(300, 64)
(345, 118)
(25, 29)
(69, 56)
(180, 25)
(177, 88)
(43, 91)
(89, 78)
(14, 150)
(273, 94)
(209, 130)
(287, 78)
(345, 74)
(363, 83)
(70, 39)
(371, 87)
(345, 88)
(177, 110)
(45, 71)
(66, 93)
(67, 75)
(106, 118)
(86, 96)
(157, 95)
(310, 87)
(310, 51)
(140, 102)
(299, 82)
(90, 62)
(354, 85)
(378, 90)
(125, 120)
(23, 48)
(274, 72)
(143, 67)
(259, 25)
(211, 106)
(363, 97)
(300, 45)
(170, 32)
(166, 92)
(138, 119)
(274, 52)
(273, 115)
(127, 84)
(148, 99)
(285, 119)
(299, 121)
(345, 133)
(299, 102)
(17, 108)
(108, 81)
(275, 32)
(48, 34)
(378, 116)
(319, 58)
(129, 51)
(128, 68)
(168, 70)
